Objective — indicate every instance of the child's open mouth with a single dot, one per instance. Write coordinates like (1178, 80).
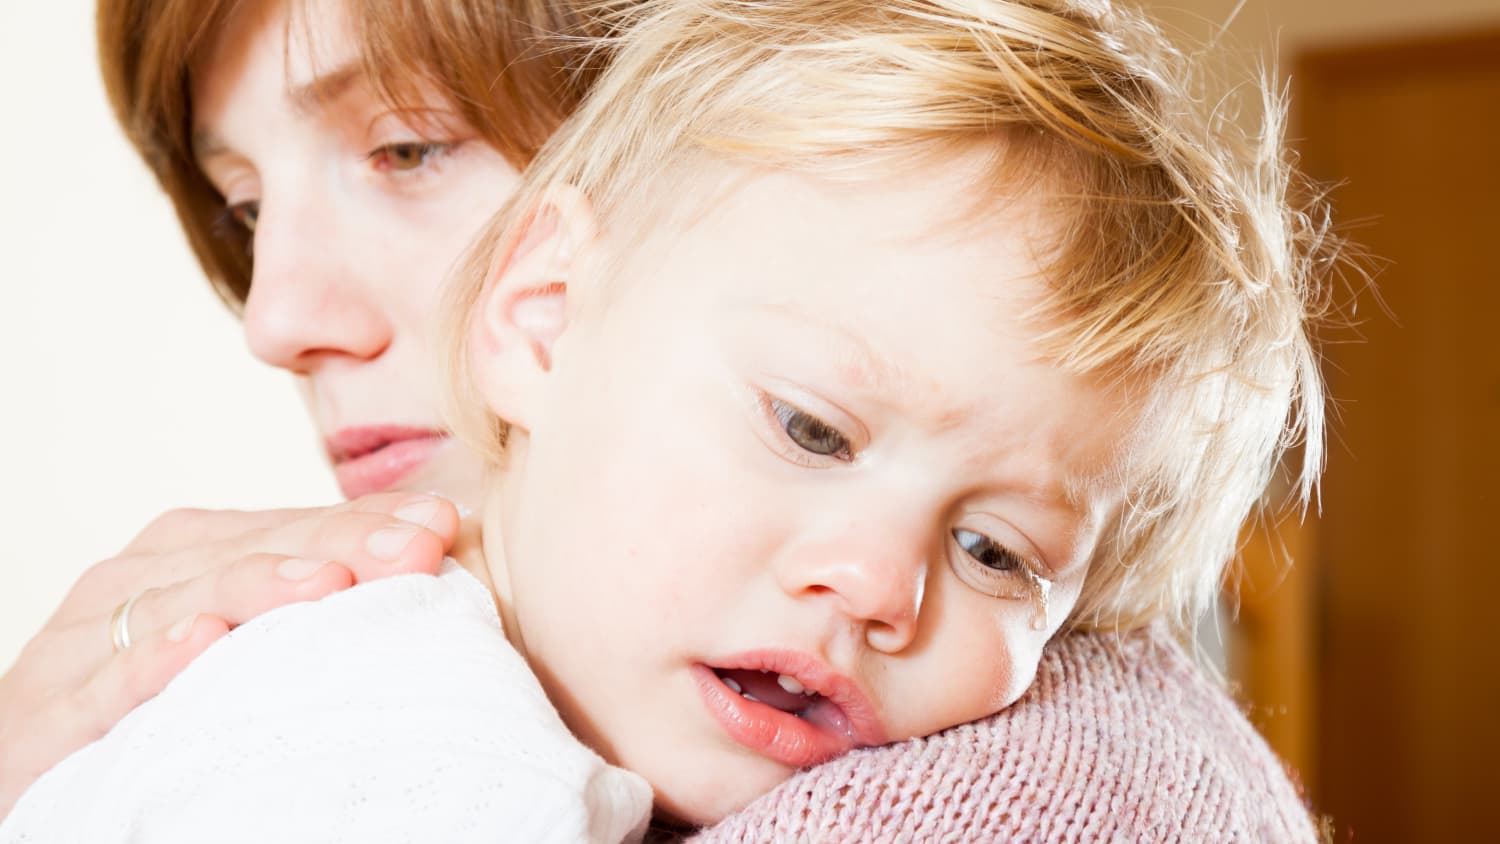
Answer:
(786, 693)
(788, 707)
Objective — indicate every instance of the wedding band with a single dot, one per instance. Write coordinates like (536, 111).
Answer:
(119, 624)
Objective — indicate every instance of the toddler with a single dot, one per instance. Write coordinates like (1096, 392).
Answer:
(832, 359)
(838, 354)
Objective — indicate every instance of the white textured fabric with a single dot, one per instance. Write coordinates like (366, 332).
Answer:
(394, 711)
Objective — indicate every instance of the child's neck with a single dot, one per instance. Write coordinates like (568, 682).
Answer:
(481, 552)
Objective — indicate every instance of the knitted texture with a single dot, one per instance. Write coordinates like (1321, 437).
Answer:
(1121, 738)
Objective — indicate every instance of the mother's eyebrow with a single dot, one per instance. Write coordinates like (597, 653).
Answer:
(309, 97)
(324, 89)
(207, 145)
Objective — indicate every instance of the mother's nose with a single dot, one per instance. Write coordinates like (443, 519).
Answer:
(306, 304)
(872, 577)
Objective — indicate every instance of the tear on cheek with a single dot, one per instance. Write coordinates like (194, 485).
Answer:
(1041, 597)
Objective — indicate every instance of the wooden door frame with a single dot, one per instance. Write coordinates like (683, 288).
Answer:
(1278, 639)
(1316, 71)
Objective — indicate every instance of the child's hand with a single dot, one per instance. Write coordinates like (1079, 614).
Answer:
(193, 575)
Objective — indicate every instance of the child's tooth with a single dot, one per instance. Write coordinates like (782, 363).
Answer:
(790, 684)
(750, 697)
(729, 681)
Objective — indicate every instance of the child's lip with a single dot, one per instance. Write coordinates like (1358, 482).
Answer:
(781, 735)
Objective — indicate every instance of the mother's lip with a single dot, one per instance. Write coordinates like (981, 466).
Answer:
(352, 442)
(370, 460)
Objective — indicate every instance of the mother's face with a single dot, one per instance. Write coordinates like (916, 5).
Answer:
(358, 213)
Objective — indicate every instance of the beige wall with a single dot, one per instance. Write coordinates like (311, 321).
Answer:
(126, 387)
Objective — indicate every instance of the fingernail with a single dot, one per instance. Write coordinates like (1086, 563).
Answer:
(464, 512)
(295, 569)
(388, 543)
(418, 512)
(180, 630)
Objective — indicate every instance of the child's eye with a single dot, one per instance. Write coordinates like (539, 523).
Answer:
(407, 156)
(987, 552)
(995, 570)
(810, 433)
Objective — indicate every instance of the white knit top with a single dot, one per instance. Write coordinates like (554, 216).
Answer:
(395, 711)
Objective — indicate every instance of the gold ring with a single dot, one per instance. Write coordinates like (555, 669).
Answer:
(119, 624)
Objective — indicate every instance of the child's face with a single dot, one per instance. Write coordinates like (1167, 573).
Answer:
(810, 437)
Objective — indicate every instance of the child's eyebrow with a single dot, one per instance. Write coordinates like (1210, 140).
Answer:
(859, 362)
(862, 365)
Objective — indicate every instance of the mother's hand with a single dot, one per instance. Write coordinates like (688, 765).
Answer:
(195, 574)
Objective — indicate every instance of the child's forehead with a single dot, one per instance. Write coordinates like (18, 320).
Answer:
(947, 199)
(798, 237)
(877, 294)
(891, 277)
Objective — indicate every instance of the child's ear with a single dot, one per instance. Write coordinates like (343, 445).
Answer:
(526, 302)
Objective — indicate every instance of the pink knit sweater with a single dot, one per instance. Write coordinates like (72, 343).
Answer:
(1121, 738)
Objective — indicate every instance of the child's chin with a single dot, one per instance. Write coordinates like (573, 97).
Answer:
(663, 821)
(705, 801)
(684, 815)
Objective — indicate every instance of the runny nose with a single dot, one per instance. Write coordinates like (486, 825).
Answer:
(306, 305)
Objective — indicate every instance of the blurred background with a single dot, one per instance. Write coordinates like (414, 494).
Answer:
(1370, 665)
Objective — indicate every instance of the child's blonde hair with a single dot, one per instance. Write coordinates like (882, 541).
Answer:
(1183, 269)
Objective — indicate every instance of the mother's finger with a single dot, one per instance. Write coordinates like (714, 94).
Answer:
(136, 675)
(238, 592)
(47, 734)
(374, 537)
(178, 529)
(372, 545)
(411, 539)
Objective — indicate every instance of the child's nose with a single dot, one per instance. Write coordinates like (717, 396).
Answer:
(878, 584)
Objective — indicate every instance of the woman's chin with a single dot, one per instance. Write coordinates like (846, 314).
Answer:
(447, 469)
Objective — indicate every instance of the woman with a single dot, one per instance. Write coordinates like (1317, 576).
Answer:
(357, 181)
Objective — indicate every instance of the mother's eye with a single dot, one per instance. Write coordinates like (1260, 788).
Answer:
(987, 552)
(240, 215)
(404, 157)
(810, 433)
(235, 224)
